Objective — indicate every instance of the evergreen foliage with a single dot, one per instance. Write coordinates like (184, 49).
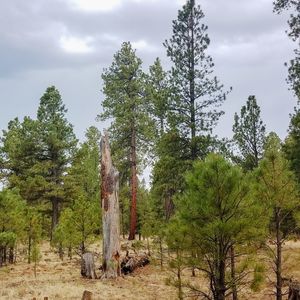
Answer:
(249, 134)
(124, 89)
(218, 213)
(196, 92)
(278, 192)
(78, 226)
(294, 33)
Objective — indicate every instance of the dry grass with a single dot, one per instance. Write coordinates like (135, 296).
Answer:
(61, 280)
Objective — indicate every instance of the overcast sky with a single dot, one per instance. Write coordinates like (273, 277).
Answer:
(67, 43)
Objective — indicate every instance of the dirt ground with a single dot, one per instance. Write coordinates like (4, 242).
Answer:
(58, 279)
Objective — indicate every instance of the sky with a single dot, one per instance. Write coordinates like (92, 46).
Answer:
(67, 43)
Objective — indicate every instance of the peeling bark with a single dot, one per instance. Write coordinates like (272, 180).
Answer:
(110, 212)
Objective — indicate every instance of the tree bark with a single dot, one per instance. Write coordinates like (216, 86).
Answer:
(55, 215)
(220, 278)
(233, 277)
(110, 212)
(11, 255)
(133, 213)
(130, 263)
(192, 84)
(278, 255)
(88, 266)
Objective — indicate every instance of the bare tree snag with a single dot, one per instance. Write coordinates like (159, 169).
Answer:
(110, 212)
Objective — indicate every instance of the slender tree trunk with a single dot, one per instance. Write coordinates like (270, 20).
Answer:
(169, 207)
(192, 85)
(161, 121)
(70, 252)
(122, 220)
(133, 213)
(11, 255)
(1, 257)
(29, 248)
(179, 282)
(278, 256)
(193, 266)
(55, 215)
(161, 253)
(110, 213)
(4, 254)
(220, 290)
(233, 278)
(60, 251)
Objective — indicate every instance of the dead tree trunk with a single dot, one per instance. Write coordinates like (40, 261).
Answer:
(110, 212)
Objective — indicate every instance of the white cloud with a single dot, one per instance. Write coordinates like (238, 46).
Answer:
(95, 5)
(143, 46)
(73, 44)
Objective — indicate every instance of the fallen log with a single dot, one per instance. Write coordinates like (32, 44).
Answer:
(88, 266)
(130, 263)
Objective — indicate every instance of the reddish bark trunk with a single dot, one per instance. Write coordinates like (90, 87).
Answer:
(134, 183)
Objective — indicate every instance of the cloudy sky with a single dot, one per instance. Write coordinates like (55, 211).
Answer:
(67, 43)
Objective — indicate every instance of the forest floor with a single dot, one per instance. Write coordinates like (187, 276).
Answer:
(58, 279)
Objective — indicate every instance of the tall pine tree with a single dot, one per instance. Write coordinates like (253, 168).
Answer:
(58, 143)
(197, 93)
(131, 128)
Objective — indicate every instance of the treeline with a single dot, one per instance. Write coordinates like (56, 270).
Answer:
(215, 203)
(51, 182)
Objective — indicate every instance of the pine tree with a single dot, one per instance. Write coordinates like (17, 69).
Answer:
(294, 33)
(216, 214)
(249, 134)
(84, 173)
(33, 229)
(78, 225)
(20, 144)
(291, 145)
(197, 94)
(57, 146)
(278, 192)
(158, 93)
(168, 173)
(131, 129)
(12, 225)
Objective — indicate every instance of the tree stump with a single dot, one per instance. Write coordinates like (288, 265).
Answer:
(110, 212)
(294, 291)
(88, 266)
(87, 295)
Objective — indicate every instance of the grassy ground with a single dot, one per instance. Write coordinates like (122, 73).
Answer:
(58, 279)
